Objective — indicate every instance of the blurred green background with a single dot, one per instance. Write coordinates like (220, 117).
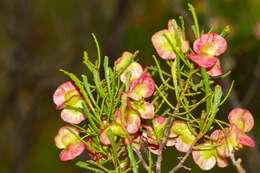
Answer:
(38, 37)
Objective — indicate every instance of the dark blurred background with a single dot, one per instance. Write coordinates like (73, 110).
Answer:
(38, 37)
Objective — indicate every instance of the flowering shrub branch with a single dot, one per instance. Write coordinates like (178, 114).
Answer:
(127, 119)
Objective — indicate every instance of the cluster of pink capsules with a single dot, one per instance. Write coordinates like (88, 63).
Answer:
(129, 120)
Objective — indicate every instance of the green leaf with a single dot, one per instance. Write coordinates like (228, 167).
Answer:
(132, 159)
(87, 166)
(172, 43)
(91, 118)
(174, 78)
(98, 50)
(86, 60)
(202, 119)
(195, 19)
(214, 109)
(121, 70)
(78, 83)
(161, 74)
(111, 138)
(182, 24)
(150, 161)
(228, 93)
(97, 81)
(207, 87)
(87, 87)
(107, 76)
(217, 98)
(177, 34)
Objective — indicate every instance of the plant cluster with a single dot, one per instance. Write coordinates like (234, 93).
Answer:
(128, 119)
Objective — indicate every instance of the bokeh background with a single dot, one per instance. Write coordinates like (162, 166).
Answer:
(38, 37)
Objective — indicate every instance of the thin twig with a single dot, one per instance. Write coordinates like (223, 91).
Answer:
(180, 164)
(237, 163)
(168, 126)
(185, 157)
(140, 157)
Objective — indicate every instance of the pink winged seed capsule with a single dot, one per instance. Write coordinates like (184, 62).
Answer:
(242, 118)
(207, 48)
(162, 46)
(206, 157)
(207, 154)
(185, 137)
(115, 129)
(165, 40)
(203, 60)
(216, 70)
(72, 116)
(149, 137)
(132, 122)
(72, 112)
(123, 61)
(68, 140)
(159, 122)
(142, 87)
(226, 140)
(231, 139)
(132, 72)
(205, 163)
(145, 109)
(246, 140)
(72, 152)
(210, 44)
(63, 93)
(172, 27)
